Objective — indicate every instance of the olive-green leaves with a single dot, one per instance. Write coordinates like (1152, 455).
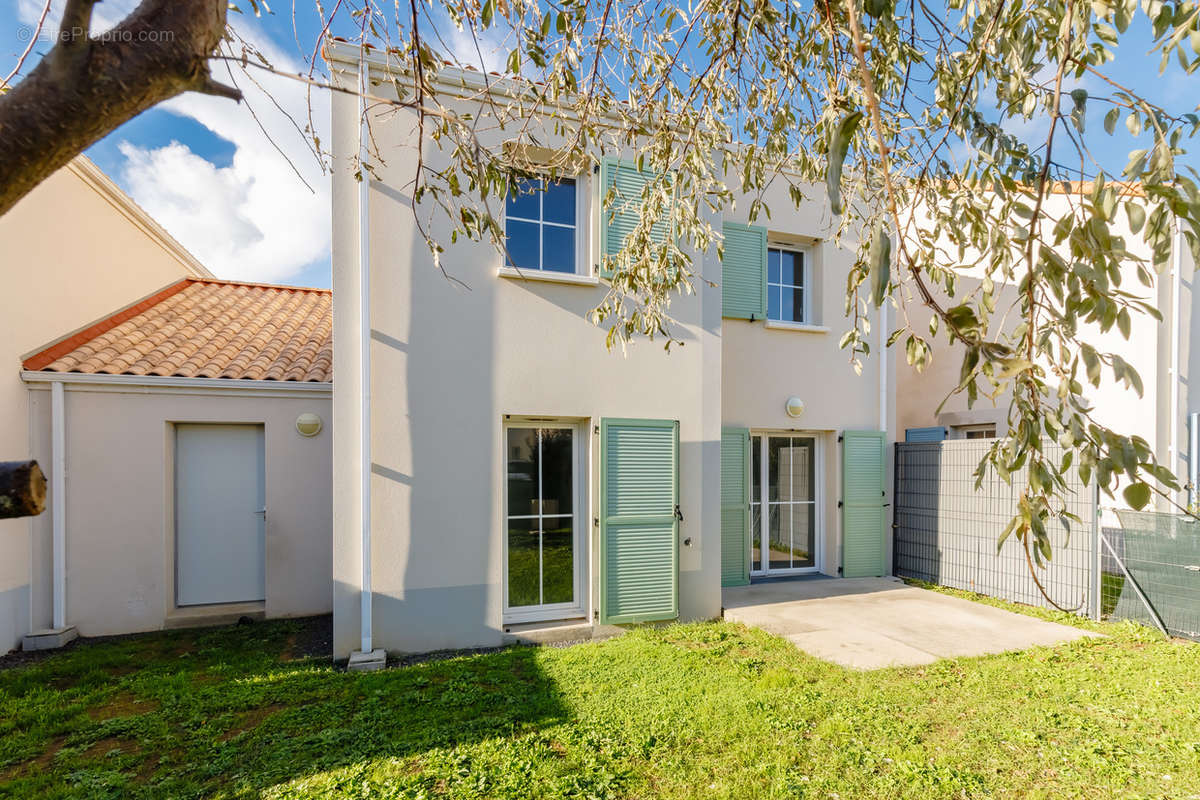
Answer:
(881, 264)
(1137, 495)
(1136, 214)
(839, 145)
(1078, 112)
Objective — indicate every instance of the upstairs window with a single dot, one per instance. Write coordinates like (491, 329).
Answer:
(540, 226)
(787, 285)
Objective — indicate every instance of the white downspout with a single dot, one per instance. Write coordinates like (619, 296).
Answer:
(364, 312)
(1176, 286)
(58, 502)
(883, 369)
(1193, 460)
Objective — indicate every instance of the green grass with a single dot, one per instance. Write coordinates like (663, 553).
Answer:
(557, 569)
(705, 710)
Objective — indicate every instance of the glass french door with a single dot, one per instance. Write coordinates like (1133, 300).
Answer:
(783, 504)
(541, 547)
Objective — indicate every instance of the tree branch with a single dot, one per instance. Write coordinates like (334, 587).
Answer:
(76, 22)
(78, 94)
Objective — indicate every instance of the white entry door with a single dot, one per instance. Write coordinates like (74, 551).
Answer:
(220, 514)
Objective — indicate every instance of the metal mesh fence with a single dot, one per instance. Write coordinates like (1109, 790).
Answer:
(1151, 571)
(946, 530)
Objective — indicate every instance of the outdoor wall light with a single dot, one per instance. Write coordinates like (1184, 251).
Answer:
(309, 424)
(794, 406)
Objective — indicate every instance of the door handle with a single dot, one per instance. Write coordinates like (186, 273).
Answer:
(678, 513)
(262, 511)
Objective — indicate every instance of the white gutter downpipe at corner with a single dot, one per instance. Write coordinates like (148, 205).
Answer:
(883, 369)
(364, 311)
(58, 503)
(1176, 287)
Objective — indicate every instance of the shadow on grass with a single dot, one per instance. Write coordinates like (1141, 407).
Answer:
(227, 712)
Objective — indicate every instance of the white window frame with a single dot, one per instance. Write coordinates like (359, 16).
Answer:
(818, 503)
(805, 253)
(550, 611)
(583, 235)
(964, 431)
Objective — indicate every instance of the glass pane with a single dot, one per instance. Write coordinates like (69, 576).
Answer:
(796, 301)
(558, 249)
(787, 309)
(779, 535)
(558, 203)
(803, 535)
(558, 560)
(524, 202)
(795, 456)
(787, 268)
(522, 242)
(774, 444)
(523, 563)
(557, 471)
(773, 302)
(756, 537)
(772, 266)
(522, 459)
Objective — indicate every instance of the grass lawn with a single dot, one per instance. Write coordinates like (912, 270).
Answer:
(706, 710)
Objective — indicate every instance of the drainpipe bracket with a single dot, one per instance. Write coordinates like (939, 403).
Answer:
(367, 662)
(49, 639)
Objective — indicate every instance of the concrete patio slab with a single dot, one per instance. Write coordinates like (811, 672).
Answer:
(870, 623)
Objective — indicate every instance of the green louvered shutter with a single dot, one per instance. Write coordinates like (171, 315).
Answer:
(621, 215)
(862, 503)
(744, 272)
(735, 506)
(639, 495)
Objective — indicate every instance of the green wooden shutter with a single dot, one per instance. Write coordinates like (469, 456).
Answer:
(622, 213)
(735, 506)
(744, 271)
(862, 503)
(639, 493)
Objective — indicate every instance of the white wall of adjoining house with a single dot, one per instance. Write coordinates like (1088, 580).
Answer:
(448, 363)
(762, 367)
(121, 493)
(55, 284)
(1189, 362)
(918, 395)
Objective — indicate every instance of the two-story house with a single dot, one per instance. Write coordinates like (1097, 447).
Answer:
(496, 467)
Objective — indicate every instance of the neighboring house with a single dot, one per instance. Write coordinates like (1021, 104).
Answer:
(187, 443)
(1161, 352)
(516, 473)
(72, 250)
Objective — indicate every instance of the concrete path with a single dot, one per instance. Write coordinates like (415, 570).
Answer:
(868, 623)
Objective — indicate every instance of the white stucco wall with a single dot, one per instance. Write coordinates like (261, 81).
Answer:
(120, 502)
(762, 366)
(448, 363)
(53, 285)
(450, 358)
(919, 394)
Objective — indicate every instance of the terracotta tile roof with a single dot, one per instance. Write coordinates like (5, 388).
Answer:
(201, 328)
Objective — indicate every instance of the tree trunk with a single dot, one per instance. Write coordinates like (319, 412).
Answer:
(22, 489)
(85, 86)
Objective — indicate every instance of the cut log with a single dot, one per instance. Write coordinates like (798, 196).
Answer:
(22, 489)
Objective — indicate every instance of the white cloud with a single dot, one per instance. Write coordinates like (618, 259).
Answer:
(264, 217)
(255, 219)
(488, 49)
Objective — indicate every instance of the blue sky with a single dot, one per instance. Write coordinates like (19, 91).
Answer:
(203, 167)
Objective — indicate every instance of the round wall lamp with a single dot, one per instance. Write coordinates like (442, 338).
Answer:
(309, 424)
(794, 406)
